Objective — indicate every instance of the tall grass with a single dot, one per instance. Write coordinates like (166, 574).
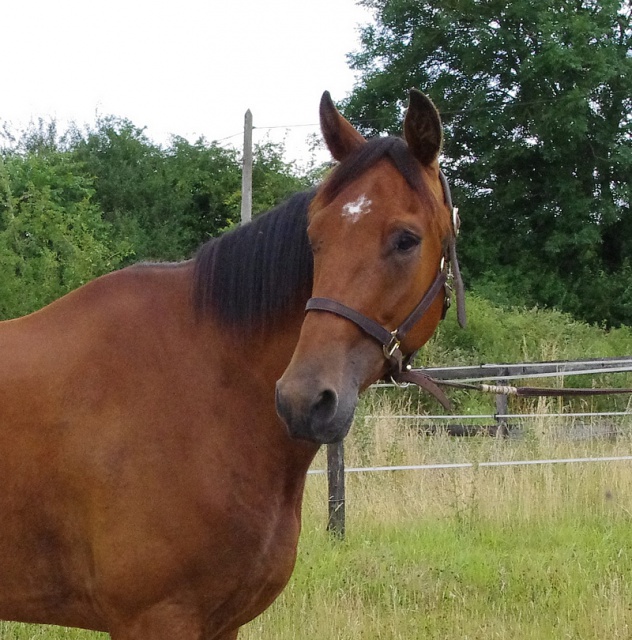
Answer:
(522, 552)
(495, 334)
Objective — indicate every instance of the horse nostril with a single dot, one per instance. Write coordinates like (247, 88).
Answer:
(324, 407)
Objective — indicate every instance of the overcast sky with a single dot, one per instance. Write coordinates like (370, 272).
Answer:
(189, 68)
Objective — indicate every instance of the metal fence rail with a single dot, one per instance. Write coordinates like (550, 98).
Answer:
(526, 370)
(501, 416)
(523, 370)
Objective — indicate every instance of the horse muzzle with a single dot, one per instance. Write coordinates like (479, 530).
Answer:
(314, 410)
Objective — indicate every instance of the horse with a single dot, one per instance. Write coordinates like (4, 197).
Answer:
(157, 424)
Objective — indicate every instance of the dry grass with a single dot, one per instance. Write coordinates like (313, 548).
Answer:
(522, 552)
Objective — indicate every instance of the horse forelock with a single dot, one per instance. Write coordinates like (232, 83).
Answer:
(251, 275)
(366, 156)
(396, 151)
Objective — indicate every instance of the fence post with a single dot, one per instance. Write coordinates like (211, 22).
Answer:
(336, 487)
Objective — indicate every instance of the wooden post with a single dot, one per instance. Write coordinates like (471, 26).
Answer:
(246, 173)
(336, 485)
(502, 407)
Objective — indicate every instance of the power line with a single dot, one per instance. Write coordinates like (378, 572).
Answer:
(365, 121)
(234, 135)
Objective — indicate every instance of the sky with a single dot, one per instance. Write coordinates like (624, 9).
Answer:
(189, 68)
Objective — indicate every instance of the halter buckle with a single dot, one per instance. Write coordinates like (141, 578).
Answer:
(392, 346)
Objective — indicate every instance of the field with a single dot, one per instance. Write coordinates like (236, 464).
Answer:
(515, 552)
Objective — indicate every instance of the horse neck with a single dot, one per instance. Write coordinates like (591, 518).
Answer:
(251, 363)
(274, 347)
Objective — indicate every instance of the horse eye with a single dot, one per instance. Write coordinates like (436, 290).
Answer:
(405, 241)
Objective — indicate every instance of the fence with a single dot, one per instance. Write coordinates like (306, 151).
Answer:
(499, 373)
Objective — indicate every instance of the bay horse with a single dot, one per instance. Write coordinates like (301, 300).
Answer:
(157, 424)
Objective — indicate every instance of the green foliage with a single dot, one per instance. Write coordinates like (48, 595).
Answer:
(75, 206)
(536, 99)
(495, 335)
(52, 236)
(175, 198)
(170, 200)
(273, 179)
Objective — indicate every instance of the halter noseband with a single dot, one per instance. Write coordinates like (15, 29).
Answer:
(399, 370)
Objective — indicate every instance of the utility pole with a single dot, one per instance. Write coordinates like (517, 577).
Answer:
(246, 173)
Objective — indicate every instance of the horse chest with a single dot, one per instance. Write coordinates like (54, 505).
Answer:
(267, 572)
(249, 564)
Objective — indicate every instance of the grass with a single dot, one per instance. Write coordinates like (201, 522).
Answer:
(523, 552)
(567, 578)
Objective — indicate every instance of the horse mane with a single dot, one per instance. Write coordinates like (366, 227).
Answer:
(251, 275)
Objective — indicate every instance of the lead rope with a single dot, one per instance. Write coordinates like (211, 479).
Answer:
(530, 392)
(453, 261)
(433, 386)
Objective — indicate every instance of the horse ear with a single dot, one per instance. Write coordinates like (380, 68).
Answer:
(340, 136)
(422, 128)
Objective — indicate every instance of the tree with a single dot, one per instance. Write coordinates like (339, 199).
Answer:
(52, 236)
(169, 200)
(536, 98)
(273, 179)
(78, 205)
(166, 200)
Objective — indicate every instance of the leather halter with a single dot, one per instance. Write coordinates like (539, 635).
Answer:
(399, 369)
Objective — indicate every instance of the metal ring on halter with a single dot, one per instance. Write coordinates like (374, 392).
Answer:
(399, 385)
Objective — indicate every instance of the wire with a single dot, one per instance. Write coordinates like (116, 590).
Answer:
(510, 104)
(473, 465)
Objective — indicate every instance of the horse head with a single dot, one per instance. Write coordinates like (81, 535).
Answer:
(382, 233)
